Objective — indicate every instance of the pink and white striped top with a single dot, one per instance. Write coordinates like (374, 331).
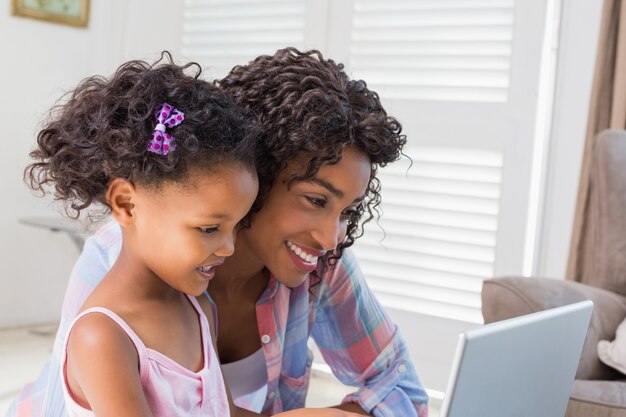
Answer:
(170, 388)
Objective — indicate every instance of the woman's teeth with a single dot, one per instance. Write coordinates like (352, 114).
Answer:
(302, 254)
(205, 269)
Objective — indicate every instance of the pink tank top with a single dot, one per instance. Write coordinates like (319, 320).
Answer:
(170, 388)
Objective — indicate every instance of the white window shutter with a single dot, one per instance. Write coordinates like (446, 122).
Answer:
(452, 50)
(435, 242)
(220, 34)
(462, 78)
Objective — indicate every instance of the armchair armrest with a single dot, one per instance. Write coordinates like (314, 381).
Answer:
(508, 297)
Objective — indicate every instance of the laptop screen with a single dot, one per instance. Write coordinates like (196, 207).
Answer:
(519, 367)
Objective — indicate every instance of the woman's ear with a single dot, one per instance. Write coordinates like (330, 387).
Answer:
(120, 195)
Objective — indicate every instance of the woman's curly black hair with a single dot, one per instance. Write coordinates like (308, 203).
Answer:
(102, 129)
(306, 104)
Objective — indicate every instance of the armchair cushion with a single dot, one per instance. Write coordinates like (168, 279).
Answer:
(613, 353)
(597, 399)
(507, 297)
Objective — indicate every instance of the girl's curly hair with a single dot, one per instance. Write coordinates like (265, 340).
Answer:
(102, 129)
(306, 104)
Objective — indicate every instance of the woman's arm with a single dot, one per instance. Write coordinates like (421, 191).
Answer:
(363, 347)
(102, 369)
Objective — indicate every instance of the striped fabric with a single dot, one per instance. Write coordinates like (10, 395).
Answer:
(171, 390)
(356, 337)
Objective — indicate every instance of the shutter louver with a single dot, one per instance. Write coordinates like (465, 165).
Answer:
(438, 237)
(220, 34)
(447, 50)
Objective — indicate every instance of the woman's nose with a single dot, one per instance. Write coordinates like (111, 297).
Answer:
(330, 233)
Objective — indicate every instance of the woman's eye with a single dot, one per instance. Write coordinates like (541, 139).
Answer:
(318, 202)
(350, 214)
(208, 230)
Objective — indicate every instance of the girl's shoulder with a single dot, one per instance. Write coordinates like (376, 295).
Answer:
(100, 332)
(100, 345)
(99, 327)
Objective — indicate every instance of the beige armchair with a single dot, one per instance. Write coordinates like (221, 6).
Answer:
(598, 390)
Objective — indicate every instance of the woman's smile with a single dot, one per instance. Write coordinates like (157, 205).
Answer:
(303, 258)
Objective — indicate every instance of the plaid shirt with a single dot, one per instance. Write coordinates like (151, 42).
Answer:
(354, 334)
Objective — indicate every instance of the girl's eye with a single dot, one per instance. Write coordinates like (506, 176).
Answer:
(208, 230)
(318, 202)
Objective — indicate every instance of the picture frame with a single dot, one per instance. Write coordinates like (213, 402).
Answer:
(68, 12)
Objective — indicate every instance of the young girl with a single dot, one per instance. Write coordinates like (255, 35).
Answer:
(172, 158)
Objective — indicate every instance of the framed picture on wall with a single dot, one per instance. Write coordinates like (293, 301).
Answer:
(69, 12)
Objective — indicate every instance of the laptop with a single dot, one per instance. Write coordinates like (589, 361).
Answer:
(521, 367)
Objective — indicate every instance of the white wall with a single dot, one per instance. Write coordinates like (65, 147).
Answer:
(39, 62)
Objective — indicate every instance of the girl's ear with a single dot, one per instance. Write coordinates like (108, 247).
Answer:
(120, 195)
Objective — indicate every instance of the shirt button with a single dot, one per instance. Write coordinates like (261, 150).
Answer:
(402, 368)
(265, 339)
(271, 395)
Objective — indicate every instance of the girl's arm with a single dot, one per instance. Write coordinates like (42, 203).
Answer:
(353, 407)
(103, 369)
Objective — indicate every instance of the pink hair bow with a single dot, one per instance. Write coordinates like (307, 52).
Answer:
(166, 116)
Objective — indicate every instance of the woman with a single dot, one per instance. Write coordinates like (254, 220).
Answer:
(292, 275)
